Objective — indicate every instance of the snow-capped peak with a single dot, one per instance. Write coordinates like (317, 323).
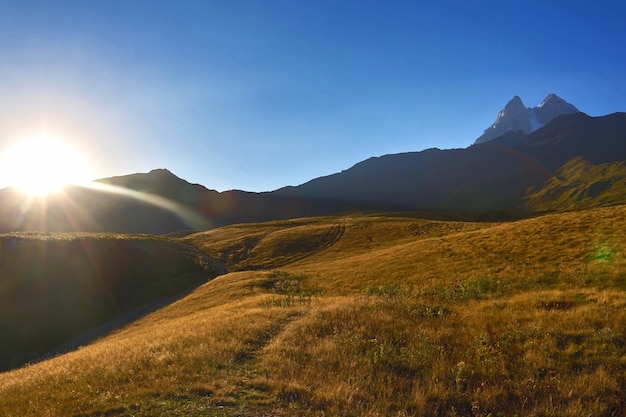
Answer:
(516, 117)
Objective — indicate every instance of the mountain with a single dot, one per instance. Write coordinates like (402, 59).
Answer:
(517, 117)
(157, 202)
(94, 209)
(485, 180)
(431, 180)
(484, 177)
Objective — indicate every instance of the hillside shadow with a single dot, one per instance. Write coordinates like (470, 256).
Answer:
(60, 291)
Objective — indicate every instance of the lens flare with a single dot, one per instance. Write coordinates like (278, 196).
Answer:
(604, 253)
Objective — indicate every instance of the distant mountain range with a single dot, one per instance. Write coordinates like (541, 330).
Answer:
(561, 160)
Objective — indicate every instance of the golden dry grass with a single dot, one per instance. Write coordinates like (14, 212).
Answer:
(580, 184)
(369, 316)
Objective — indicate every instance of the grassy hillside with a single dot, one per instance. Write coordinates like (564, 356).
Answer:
(580, 184)
(273, 244)
(365, 316)
(56, 286)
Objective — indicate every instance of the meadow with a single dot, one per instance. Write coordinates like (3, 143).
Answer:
(368, 315)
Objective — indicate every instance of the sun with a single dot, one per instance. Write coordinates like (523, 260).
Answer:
(42, 165)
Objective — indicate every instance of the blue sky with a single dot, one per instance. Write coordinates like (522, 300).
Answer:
(256, 95)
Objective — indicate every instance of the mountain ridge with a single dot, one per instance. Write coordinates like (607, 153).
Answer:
(453, 179)
(491, 177)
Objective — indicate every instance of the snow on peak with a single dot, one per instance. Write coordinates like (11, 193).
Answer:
(515, 116)
(550, 99)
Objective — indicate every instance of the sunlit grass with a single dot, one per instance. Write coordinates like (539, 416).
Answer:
(580, 184)
(188, 352)
(388, 317)
(385, 357)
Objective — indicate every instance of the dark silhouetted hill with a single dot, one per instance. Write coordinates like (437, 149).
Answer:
(495, 176)
(491, 176)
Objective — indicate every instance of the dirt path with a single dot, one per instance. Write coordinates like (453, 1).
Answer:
(208, 262)
(334, 234)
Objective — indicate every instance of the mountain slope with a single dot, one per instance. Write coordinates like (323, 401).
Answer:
(157, 202)
(580, 184)
(473, 179)
(94, 209)
(490, 176)
(596, 139)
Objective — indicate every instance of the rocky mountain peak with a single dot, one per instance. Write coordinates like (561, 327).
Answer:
(551, 107)
(515, 102)
(514, 108)
(515, 116)
(550, 99)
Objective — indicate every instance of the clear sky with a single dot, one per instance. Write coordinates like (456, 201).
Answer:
(256, 95)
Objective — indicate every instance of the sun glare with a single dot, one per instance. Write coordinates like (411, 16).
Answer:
(42, 165)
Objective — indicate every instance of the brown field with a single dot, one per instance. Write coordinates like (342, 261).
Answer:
(368, 316)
